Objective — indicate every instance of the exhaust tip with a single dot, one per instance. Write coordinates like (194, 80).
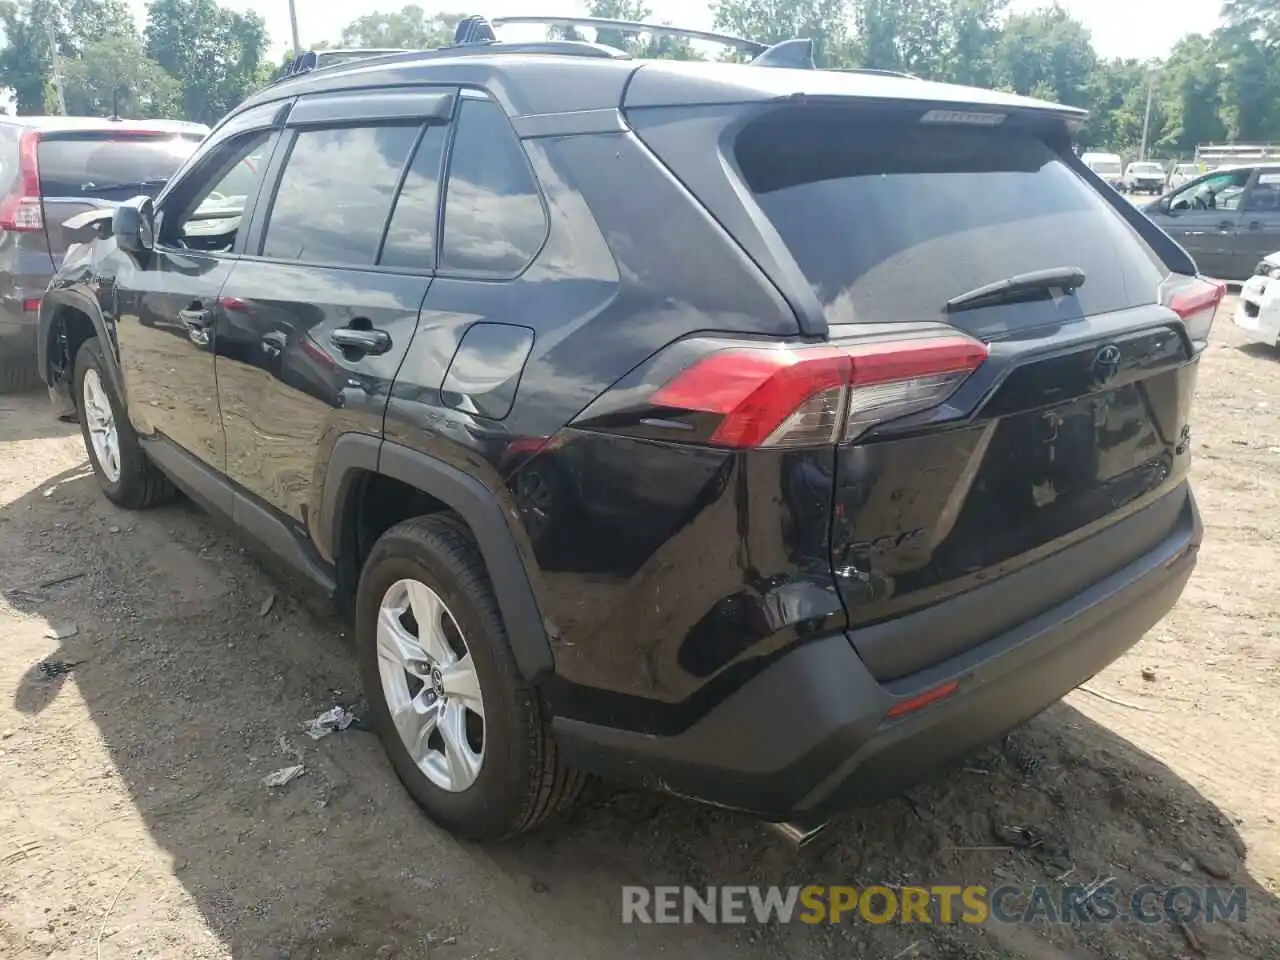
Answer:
(798, 835)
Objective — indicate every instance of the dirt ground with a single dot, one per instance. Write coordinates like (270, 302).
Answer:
(134, 821)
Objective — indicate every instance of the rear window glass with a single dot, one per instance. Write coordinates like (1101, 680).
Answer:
(890, 221)
(105, 167)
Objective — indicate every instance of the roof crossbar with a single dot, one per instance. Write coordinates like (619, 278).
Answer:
(752, 47)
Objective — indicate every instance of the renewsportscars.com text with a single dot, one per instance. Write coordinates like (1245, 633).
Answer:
(939, 904)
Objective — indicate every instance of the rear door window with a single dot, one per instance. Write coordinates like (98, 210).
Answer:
(888, 221)
(109, 167)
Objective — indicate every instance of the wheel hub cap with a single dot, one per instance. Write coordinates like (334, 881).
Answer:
(430, 685)
(101, 422)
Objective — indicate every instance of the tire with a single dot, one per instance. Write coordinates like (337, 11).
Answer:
(521, 781)
(135, 483)
(17, 374)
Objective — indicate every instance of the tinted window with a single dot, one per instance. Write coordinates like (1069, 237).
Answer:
(888, 221)
(411, 238)
(333, 199)
(493, 219)
(98, 166)
(1222, 191)
(205, 208)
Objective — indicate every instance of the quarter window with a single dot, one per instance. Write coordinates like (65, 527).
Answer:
(494, 223)
(336, 191)
(411, 236)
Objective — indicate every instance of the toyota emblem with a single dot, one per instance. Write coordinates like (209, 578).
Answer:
(1106, 363)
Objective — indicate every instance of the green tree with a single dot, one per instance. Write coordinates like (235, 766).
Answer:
(112, 73)
(1047, 53)
(409, 28)
(217, 55)
(772, 21)
(1190, 92)
(31, 28)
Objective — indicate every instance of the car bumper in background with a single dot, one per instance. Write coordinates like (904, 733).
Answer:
(18, 329)
(1258, 310)
(815, 731)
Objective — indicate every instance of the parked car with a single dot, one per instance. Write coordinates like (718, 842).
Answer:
(639, 397)
(1144, 176)
(1258, 310)
(1108, 166)
(50, 169)
(1227, 220)
(1181, 174)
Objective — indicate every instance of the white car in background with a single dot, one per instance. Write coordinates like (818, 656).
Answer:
(1258, 312)
(1144, 176)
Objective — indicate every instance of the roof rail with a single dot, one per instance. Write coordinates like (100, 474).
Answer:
(753, 47)
(322, 59)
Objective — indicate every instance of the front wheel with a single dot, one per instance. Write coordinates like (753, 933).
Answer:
(126, 476)
(466, 734)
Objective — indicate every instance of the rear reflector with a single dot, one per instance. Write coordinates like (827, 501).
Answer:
(31, 304)
(20, 211)
(922, 700)
(1196, 302)
(805, 396)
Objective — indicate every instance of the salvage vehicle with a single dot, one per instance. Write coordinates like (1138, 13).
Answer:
(1144, 176)
(1258, 311)
(50, 169)
(766, 435)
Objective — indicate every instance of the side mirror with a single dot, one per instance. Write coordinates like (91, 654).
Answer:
(1165, 205)
(133, 226)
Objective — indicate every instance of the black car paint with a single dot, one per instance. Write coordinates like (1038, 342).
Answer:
(644, 581)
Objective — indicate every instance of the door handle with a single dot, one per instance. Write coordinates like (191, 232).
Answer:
(1255, 224)
(1225, 225)
(372, 342)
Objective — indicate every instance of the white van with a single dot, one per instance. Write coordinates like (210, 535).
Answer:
(1106, 165)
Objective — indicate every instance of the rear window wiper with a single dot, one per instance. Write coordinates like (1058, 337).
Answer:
(124, 185)
(1020, 287)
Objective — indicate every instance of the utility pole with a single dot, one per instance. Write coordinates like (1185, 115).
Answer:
(293, 23)
(1146, 119)
(57, 70)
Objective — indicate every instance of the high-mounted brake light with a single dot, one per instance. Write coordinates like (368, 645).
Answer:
(20, 211)
(804, 396)
(1196, 303)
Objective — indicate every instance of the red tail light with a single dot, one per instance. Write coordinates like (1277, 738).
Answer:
(1196, 302)
(20, 211)
(801, 396)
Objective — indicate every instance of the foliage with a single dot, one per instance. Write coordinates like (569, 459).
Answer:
(409, 28)
(197, 59)
(217, 55)
(114, 76)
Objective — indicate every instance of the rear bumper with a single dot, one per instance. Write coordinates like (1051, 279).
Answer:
(809, 734)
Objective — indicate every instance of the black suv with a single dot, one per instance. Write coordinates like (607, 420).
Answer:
(50, 169)
(769, 436)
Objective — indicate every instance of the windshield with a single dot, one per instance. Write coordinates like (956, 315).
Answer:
(1147, 168)
(109, 166)
(890, 221)
(1104, 166)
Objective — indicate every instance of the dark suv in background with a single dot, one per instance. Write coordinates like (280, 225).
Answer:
(763, 434)
(52, 168)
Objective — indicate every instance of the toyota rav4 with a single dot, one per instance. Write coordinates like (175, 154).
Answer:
(767, 435)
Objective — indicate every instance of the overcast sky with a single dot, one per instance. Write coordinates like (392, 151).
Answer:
(1120, 28)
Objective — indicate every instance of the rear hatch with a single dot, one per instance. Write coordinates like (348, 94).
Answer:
(1043, 422)
(83, 170)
